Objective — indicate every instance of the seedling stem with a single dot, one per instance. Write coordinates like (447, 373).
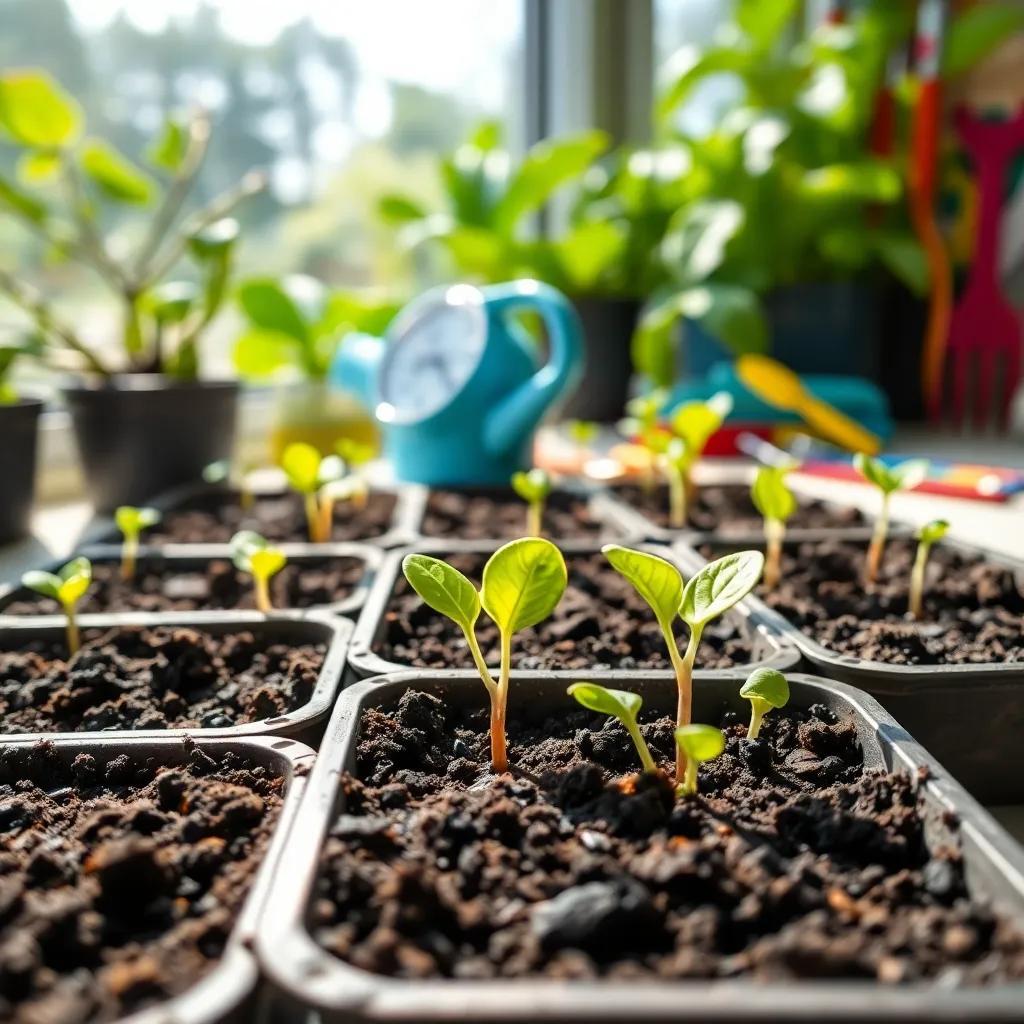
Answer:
(926, 537)
(775, 534)
(878, 537)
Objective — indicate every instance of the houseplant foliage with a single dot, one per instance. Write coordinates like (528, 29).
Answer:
(81, 196)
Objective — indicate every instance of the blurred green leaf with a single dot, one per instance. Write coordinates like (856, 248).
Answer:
(975, 32)
(476, 250)
(764, 20)
(688, 67)
(168, 150)
(38, 166)
(21, 202)
(170, 302)
(352, 311)
(271, 307)
(486, 135)
(396, 209)
(212, 240)
(114, 175)
(547, 166)
(588, 250)
(35, 111)
(698, 237)
(259, 354)
(903, 254)
(869, 181)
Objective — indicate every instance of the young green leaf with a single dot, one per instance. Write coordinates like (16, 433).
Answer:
(765, 688)
(656, 580)
(35, 111)
(253, 554)
(718, 586)
(523, 581)
(66, 586)
(444, 589)
(131, 521)
(45, 583)
(354, 453)
(933, 531)
(532, 486)
(301, 465)
(695, 422)
(928, 535)
(698, 744)
(903, 476)
(771, 497)
(619, 704)
(583, 432)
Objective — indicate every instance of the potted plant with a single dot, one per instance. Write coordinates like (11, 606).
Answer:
(143, 419)
(293, 327)
(601, 259)
(19, 421)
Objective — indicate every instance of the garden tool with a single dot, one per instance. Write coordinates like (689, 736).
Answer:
(458, 387)
(985, 332)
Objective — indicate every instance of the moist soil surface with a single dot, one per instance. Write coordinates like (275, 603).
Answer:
(792, 863)
(120, 883)
(501, 514)
(166, 586)
(165, 677)
(973, 609)
(215, 518)
(601, 623)
(727, 509)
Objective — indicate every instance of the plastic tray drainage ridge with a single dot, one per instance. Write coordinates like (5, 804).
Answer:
(423, 888)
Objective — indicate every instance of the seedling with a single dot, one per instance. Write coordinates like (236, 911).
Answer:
(697, 745)
(888, 480)
(775, 501)
(347, 488)
(619, 704)
(709, 594)
(131, 522)
(356, 455)
(67, 587)
(641, 424)
(765, 688)
(523, 581)
(252, 553)
(534, 488)
(307, 472)
(926, 537)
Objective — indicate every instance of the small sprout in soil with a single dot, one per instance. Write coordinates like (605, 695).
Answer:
(307, 473)
(523, 581)
(252, 553)
(765, 688)
(888, 480)
(131, 521)
(534, 488)
(357, 455)
(641, 427)
(709, 594)
(697, 744)
(67, 587)
(620, 704)
(775, 501)
(926, 537)
(351, 488)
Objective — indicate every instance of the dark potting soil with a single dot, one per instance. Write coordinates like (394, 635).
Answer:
(215, 518)
(600, 624)
(501, 514)
(165, 677)
(120, 884)
(793, 862)
(166, 586)
(973, 609)
(727, 509)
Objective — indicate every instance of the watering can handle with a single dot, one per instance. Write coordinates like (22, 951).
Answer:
(517, 415)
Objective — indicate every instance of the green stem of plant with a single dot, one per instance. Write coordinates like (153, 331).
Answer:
(325, 518)
(917, 580)
(313, 518)
(129, 552)
(499, 702)
(878, 537)
(641, 746)
(688, 783)
(134, 342)
(74, 637)
(682, 665)
(263, 594)
(774, 532)
(534, 518)
(676, 498)
(757, 710)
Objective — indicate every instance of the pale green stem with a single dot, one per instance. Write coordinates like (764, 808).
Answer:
(676, 498)
(74, 638)
(641, 745)
(313, 517)
(877, 546)
(757, 710)
(688, 784)
(917, 579)
(535, 518)
(499, 702)
(263, 594)
(683, 667)
(774, 532)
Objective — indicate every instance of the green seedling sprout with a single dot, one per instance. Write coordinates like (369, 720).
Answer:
(223, 471)
(709, 594)
(252, 554)
(641, 423)
(347, 488)
(67, 586)
(926, 537)
(888, 480)
(131, 521)
(307, 472)
(533, 487)
(697, 745)
(620, 704)
(357, 455)
(765, 688)
(775, 501)
(523, 581)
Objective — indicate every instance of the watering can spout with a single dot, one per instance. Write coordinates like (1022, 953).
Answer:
(356, 368)
(516, 416)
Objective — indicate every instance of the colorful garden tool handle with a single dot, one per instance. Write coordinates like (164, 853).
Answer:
(779, 386)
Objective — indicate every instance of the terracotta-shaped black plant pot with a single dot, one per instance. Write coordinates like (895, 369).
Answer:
(19, 429)
(139, 434)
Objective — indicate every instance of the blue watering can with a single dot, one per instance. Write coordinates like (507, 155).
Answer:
(457, 387)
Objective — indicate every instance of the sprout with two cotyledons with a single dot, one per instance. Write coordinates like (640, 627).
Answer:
(534, 488)
(131, 521)
(775, 501)
(523, 581)
(765, 688)
(308, 472)
(67, 587)
(620, 704)
(697, 745)
(254, 555)
(926, 537)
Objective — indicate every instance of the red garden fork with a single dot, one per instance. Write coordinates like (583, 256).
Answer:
(985, 332)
